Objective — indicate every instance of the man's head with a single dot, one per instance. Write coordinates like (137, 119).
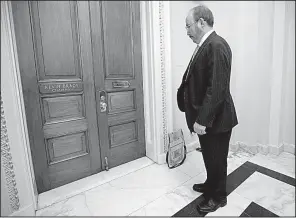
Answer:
(198, 22)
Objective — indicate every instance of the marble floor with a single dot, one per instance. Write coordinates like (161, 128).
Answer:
(258, 185)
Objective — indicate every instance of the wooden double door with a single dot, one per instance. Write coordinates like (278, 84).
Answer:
(81, 72)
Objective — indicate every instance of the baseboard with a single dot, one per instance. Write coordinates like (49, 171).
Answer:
(190, 147)
(250, 148)
(25, 211)
(290, 148)
(161, 159)
(262, 148)
(276, 149)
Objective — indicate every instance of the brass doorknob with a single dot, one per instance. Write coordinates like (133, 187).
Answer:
(103, 104)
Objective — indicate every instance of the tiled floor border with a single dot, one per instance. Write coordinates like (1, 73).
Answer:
(235, 179)
(255, 210)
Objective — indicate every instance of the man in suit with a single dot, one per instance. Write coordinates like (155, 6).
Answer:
(207, 103)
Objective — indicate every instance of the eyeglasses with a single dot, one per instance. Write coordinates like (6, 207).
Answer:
(188, 26)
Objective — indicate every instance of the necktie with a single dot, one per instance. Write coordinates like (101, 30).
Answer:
(194, 53)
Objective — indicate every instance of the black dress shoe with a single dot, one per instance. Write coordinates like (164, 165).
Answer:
(199, 187)
(211, 205)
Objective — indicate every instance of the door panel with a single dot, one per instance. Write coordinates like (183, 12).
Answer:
(120, 102)
(117, 30)
(59, 108)
(55, 23)
(67, 147)
(58, 89)
(117, 59)
(122, 134)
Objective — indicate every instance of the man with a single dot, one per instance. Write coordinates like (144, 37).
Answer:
(204, 96)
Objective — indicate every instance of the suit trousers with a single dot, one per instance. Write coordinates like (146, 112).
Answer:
(215, 148)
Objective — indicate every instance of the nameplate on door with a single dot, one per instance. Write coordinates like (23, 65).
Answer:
(60, 87)
(121, 84)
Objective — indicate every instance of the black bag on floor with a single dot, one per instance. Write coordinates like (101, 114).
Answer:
(176, 154)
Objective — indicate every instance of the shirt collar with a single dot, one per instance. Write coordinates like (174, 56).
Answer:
(205, 37)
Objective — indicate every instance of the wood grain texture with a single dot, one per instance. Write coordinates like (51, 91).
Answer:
(61, 108)
(120, 102)
(69, 171)
(66, 147)
(117, 57)
(54, 47)
(122, 134)
(26, 57)
(89, 86)
(54, 23)
(118, 39)
(70, 52)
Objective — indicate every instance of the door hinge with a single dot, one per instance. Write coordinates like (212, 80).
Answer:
(106, 164)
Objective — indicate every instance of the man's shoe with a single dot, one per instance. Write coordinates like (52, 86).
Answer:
(199, 187)
(211, 205)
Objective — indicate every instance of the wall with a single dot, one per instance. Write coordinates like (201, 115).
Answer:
(262, 80)
(20, 178)
(287, 134)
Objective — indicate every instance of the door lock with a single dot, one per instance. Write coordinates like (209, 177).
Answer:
(103, 104)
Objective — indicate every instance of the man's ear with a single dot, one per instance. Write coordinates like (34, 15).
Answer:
(202, 22)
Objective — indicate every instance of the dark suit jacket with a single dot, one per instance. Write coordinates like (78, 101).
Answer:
(207, 98)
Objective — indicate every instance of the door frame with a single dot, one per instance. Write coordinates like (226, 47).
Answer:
(156, 65)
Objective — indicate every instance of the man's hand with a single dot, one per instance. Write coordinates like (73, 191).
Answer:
(199, 129)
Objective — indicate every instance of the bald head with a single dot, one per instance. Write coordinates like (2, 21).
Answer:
(203, 12)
